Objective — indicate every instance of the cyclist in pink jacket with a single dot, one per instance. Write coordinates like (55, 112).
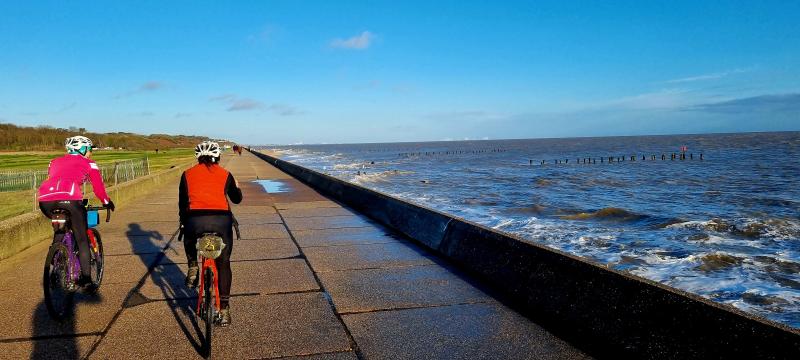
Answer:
(62, 190)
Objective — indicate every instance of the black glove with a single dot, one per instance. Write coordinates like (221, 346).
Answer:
(110, 205)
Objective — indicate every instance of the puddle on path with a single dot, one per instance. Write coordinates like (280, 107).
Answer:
(273, 186)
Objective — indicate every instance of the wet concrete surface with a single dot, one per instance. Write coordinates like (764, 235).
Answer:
(473, 331)
(366, 256)
(263, 231)
(134, 245)
(92, 313)
(126, 268)
(257, 219)
(327, 222)
(398, 288)
(311, 280)
(265, 249)
(317, 212)
(307, 204)
(347, 355)
(57, 348)
(344, 236)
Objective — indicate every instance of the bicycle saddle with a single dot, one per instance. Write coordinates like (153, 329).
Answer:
(210, 245)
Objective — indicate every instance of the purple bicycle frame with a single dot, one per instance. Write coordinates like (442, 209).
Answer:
(74, 270)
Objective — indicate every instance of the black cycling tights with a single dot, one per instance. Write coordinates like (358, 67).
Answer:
(222, 224)
(77, 216)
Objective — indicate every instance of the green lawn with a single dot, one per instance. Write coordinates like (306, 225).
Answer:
(16, 203)
(19, 202)
(21, 161)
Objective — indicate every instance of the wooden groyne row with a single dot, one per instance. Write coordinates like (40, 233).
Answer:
(450, 152)
(620, 159)
(608, 313)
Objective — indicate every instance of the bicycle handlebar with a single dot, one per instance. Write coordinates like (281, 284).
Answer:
(98, 208)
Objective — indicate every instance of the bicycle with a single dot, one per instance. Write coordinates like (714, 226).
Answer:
(209, 247)
(62, 267)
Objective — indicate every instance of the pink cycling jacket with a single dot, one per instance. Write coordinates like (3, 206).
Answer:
(65, 177)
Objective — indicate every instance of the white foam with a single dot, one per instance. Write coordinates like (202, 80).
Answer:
(357, 165)
(503, 224)
(373, 177)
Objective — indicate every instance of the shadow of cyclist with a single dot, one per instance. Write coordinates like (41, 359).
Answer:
(56, 339)
(168, 277)
(144, 241)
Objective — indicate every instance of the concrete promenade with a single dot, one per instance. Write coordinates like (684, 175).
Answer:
(311, 280)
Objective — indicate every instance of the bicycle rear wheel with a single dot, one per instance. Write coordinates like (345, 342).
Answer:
(96, 261)
(56, 282)
(208, 308)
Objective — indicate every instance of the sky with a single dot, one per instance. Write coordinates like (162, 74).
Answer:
(288, 72)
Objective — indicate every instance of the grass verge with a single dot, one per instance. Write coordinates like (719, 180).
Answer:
(22, 161)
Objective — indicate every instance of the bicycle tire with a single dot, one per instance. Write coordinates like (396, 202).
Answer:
(96, 262)
(208, 305)
(57, 296)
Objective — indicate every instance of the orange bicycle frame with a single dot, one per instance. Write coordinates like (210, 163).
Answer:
(208, 263)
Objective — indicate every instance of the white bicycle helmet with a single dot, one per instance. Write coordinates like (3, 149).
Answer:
(207, 148)
(78, 145)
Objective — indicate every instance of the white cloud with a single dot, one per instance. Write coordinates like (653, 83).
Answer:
(66, 107)
(466, 115)
(236, 103)
(149, 86)
(267, 34)
(664, 99)
(712, 76)
(284, 110)
(244, 104)
(358, 42)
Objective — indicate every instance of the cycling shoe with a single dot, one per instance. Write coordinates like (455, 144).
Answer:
(191, 276)
(224, 317)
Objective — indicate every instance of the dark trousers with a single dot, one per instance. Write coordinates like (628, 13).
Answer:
(77, 217)
(195, 226)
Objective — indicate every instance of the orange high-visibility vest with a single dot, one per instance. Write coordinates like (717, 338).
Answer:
(206, 187)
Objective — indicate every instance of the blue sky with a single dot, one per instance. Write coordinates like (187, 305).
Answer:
(325, 72)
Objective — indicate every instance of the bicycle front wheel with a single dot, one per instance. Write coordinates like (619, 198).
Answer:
(96, 260)
(56, 282)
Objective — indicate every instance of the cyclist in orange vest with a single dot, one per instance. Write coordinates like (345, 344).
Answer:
(203, 207)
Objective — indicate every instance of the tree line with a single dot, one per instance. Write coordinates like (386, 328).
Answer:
(45, 138)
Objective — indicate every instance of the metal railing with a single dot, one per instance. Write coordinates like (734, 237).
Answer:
(26, 180)
(113, 174)
(30, 180)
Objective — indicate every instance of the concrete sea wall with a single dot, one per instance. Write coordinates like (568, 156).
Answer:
(23, 231)
(602, 311)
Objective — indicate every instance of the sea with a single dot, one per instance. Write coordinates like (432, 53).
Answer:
(725, 227)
